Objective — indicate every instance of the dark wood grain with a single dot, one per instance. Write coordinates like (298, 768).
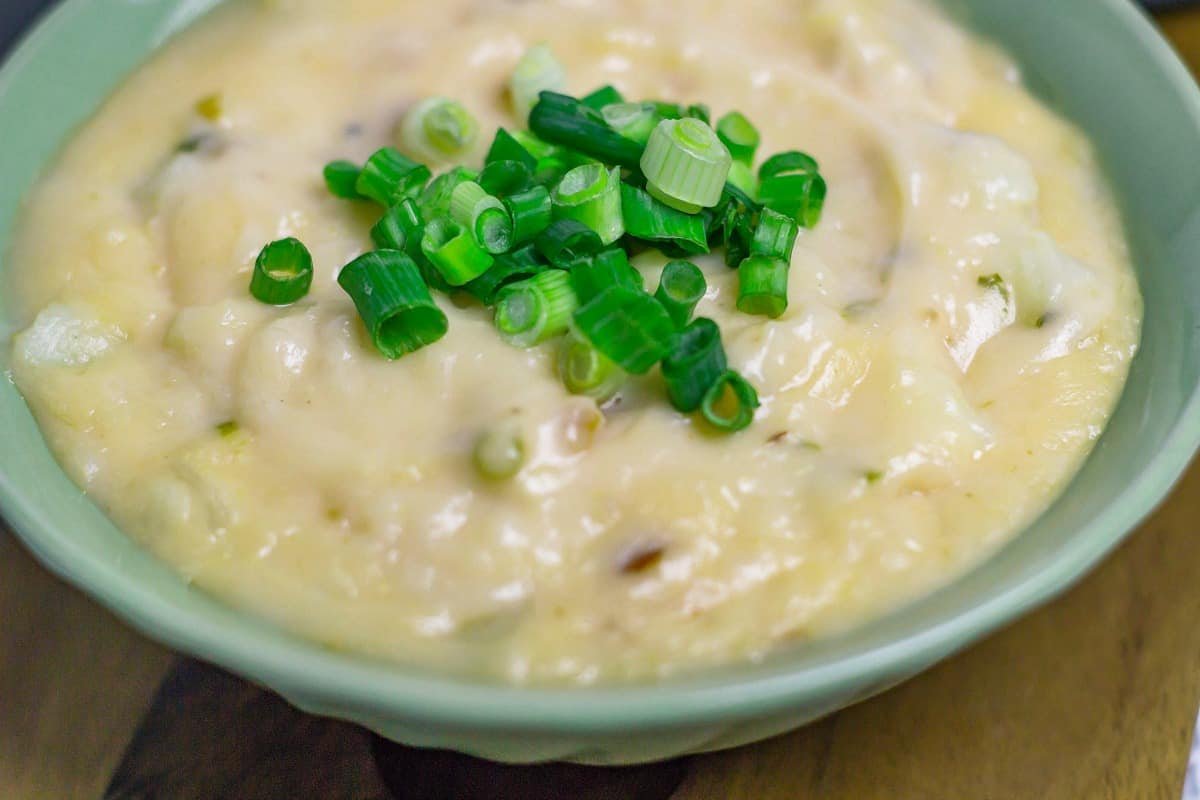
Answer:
(210, 735)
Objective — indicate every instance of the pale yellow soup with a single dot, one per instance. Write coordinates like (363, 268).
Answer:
(916, 412)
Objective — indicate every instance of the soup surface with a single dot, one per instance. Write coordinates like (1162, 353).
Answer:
(961, 324)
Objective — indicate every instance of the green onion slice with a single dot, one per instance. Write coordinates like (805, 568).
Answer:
(680, 290)
(591, 276)
(775, 236)
(730, 403)
(635, 121)
(652, 221)
(668, 110)
(536, 309)
(686, 165)
(535, 146)
(789, 162)
(394, 302)
(453, 252)
(504, 178)
(591, 194)
(737, 232)
(438, 129)
(628, 326)
(801, 197)
(538, 71)
(586, 371)
(506, 147)
(532, 211)
(282, 274)
(509, 268)
(388, 177)
(484, 215)
(400, 228)
(763, 286)
(791, 184)
(742, 177)
(566, 241)
(740, 137)
(499, 453)
(341, 178)
(434, 200)
(604, 96)
(700, 112)
(563, 120)
(696, 362)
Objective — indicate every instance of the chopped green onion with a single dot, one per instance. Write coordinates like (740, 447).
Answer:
(535, 146)
(434, 201)
(604, 96)
(388, 177)
(695, 364)
(763, 286)
(536, 309)
(668, 110)
(454, 253)
(592, 276)
(394, 302)
(532, 211)
(686, 165)
(652, 221)
(538, 71)
(635, 121)
(506, 147)
(698, 111)
(563, 120)
(775, 236)
(584, 370)
(550, 171)
(730, 403)
(791, 184)
(591, 194)
(680, 290)
(789, 162)
(508, 269)
(742, 176)
(499, 453)
(801, 197)
(282, 274)
(484, 215)
(504, 178)
(566, 241)
(228, 428)
(437, 129)
(737, 232)
(400, 227)
(740, 137)
(341, 178)
(628, 326)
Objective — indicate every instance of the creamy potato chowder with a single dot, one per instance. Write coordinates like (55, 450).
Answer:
(960, 325)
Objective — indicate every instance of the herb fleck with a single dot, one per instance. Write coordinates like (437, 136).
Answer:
(995, 281)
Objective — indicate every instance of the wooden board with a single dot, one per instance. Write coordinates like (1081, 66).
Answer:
(1093, 697)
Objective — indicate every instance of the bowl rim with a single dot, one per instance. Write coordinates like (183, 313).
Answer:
(356, 685)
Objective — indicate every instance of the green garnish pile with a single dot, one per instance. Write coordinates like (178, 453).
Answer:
(543, 234)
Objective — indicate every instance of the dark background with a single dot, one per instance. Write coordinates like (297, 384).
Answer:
(15, 15)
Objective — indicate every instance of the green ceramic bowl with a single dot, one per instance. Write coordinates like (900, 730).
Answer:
(1098, 61)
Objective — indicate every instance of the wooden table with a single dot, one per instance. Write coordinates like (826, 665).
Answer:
(1093, 697)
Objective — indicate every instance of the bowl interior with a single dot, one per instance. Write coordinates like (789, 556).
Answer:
(1097, 61)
